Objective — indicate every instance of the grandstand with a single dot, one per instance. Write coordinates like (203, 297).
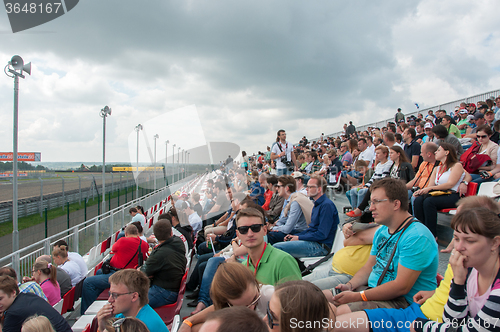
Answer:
(94, 238)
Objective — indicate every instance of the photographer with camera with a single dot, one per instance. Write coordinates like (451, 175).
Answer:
(282, 154)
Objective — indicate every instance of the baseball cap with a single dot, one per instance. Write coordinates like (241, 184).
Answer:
(183, 195)
(463, 111)
(428, 125)
(296, 175)
(478, 116)
(489, 111)
(472, 104)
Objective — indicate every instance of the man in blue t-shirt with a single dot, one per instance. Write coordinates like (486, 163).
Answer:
(413, 267)
(128, 297)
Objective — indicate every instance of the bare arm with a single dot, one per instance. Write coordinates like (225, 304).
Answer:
(414, 161)
(456, 172)
(362, 237)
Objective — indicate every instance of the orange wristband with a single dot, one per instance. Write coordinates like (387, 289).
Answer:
(363, 296)
(188, 323)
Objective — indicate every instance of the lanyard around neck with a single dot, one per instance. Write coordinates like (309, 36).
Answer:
(258, 262)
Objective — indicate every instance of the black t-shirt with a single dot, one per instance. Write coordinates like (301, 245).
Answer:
(413, 149)
(26, 305)
(198, 209)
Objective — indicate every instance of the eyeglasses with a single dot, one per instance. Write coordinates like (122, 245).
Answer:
(270, 319)
(255, 228)
(312, 187)
(481, 136)
(279, 185)
(118, 323)
(376, 201)
(114, 296)
(254, 302)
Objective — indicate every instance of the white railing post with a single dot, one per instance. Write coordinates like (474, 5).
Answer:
(96, 231)
(76, 244)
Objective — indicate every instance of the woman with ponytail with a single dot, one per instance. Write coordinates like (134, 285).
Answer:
(46, 275)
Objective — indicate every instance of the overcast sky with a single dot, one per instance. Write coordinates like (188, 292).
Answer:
(246, 68)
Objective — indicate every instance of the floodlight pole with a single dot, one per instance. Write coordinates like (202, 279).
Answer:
(154, 164)
(15, 232)
(178, 168)
(166, 155)
(104, 113)
(173, 163)
(137, 129)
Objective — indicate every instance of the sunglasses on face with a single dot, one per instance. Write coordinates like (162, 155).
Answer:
(481, 136)
(255, 228)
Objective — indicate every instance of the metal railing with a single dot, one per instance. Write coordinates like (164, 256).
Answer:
(83, 237)
(448, 107)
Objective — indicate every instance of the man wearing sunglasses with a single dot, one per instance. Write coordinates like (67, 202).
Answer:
(317, 239)
(268, 264)
(128, 297)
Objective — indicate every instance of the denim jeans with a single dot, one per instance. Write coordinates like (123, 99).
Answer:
(208, 275)
(195, 278)
(93, 287)
(356, 196)
(282, 171)
(275, 237)
(478, 179)
(301, 248)
(160, 296)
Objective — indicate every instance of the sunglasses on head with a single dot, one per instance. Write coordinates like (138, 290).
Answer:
(255, 228)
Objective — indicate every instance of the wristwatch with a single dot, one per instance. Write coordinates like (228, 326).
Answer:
(465, 182)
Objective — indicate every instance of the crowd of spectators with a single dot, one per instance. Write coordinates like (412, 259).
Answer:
(262, 214)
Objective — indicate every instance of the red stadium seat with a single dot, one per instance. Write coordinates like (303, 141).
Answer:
(471, 191)
(168, 312)
(68, 301)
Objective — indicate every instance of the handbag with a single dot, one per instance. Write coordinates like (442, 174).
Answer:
(472, 160)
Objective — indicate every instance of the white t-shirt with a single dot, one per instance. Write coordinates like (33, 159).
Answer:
(288, 148)
(75, 257)
(195, 221)
(366, 155)
(72, 268)
(139, 217)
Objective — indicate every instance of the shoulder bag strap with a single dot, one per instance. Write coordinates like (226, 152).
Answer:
(393, 252)
(138, 251)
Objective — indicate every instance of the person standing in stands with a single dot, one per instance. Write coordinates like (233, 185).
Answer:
(16, 307)
(317, 239)
(399, 116)
(128, 297)
(282, 154)
(350, 130)
(412, 148)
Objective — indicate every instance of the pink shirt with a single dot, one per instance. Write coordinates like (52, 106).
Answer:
(52, 291)
(476, 301)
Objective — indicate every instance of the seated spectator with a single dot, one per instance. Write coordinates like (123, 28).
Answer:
(184, 233)
(494, 174)
(195, 200)
(347, 261)
(356, 194)
(137, 216)
(239, 182)
(221, 204)
(74, 256)
(128, 297)
(445, 178)
(276, 203)
(165, 266)
(194, 219)
(63, 278)
(345, 155)
(60, 257)
(233, 285)
(37, 324)
(485, 150)
(450, 127)
(240, 319)
(293, 215)
(125, 253)
(429, 304)
(442, 135)
(334, 168)
(140, 230)
(256, 190)
(365, 153)
(28, 286)
(429, 135)
(299, 306)
(299, 183)
(464, 122)
(414, 263)
(412, 148)
(129, 324)
(268, 194)
(400, 169)
(474, 290)
(16, 307)
(317, 239)
(45, 274)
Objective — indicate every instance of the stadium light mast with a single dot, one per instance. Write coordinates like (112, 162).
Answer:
(137, 129)
(166, 155)
(105, 112)
(154, 164)
(173, 163)
(178, 168)
(14, 69)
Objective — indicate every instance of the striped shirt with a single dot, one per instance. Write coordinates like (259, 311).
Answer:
(381, 171)
(457, 315)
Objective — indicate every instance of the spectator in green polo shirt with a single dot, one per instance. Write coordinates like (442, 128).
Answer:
(452, 129)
